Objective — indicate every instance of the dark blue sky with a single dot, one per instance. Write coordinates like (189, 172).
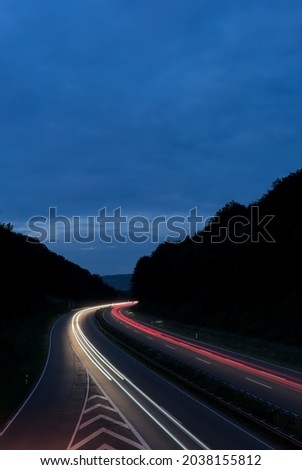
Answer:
(154, 106)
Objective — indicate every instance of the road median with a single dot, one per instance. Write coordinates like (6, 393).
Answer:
(265, 417)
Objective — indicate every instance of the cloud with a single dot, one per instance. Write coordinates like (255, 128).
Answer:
(153, 106)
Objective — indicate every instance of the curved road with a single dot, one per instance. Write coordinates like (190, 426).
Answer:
(94, 395)
(278, 385)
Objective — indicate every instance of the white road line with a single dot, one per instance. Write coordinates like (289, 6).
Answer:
(143, 408)
(213, 411)
(81, 414)
(107, 418)
(202, 360)
(259, 383)
(151, 339)
(105, 447)
(227, 420)
(170, 347)
(37, 384)
(114, 408)
(110, 433)
(96, 396)
(98, 405)
(129, 425)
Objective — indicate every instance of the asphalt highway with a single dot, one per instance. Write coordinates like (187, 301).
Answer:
(94, 395)
(277, 385)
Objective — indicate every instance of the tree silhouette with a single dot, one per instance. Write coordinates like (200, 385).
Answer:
(251, 287)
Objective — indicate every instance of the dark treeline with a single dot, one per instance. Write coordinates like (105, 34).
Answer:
(36, 286)
(245, 283)
(32, 275)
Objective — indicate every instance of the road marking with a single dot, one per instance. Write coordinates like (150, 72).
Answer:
(105, 447)
(170, 347)
(98, 405)
(151, 339)
(116, 424)
(110, 433)
(38, 382)
(96, 396)
(222, 417)
(256, 382)
(102, 416)
(202, 360)
(130, 426)
(83, 344)
(82, 411)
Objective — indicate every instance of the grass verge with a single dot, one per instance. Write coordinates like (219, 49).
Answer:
(23, 352)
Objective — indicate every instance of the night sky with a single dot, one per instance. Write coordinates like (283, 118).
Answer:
(154, 106)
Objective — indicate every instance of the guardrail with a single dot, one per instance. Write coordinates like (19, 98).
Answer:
(279, 423)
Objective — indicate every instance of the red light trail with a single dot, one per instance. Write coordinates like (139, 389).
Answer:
(223, 358)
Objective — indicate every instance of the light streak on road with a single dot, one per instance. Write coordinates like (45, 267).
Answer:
(248, 368)
(126, 385)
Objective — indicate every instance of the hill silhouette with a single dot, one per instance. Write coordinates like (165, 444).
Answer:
(36, 285)
(32, 275)
(240, 274)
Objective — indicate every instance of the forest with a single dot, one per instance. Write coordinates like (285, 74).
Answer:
(37, 286)
(241, 273)
(33, 276)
